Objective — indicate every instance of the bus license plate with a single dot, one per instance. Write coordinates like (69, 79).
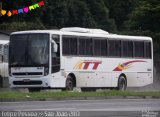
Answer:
(26, 80)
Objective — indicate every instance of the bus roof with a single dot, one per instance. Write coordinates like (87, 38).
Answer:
(86, 32)
(4, 41)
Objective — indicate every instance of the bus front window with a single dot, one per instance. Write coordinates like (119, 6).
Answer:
(29, 50)
(38, 49)
(18, 49)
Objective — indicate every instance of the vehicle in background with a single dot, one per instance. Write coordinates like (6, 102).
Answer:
(79, 57)
(4, 45)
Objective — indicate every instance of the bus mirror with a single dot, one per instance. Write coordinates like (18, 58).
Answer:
(55, 47)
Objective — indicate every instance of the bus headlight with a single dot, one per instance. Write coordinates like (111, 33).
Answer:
(46, 71)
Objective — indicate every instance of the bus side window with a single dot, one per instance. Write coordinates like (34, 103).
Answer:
(114, 48)
(6, 51)
(100, 47)
(148, 52)
(127, 48)
(139, 49)
(85, 46)
(69, 45)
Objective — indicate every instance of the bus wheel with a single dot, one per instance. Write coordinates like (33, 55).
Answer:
(69, 83)
(122, 83)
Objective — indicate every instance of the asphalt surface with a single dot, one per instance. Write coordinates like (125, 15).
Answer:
(86, 108)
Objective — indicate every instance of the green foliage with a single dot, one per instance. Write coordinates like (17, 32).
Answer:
(100, 14)
(55, 14)
(119, 10)
(63, 13)
(105, 14)
(74, 95)
(144, 20)
(145, 16)
(79, 14)
(19, 26)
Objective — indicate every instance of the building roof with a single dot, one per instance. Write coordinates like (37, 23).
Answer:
(4, 37)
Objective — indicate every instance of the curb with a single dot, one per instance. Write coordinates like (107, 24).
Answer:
(80, 98)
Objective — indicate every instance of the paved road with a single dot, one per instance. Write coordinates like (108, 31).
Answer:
(89, 108)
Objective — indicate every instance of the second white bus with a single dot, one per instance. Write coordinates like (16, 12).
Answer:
(79, 57)
(4, 63)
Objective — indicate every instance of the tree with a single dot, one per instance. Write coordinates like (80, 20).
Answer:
(55, 14)
(79, 14)
(100, 14)
(119, 10)
(145, 16)
(63, 13)
(144, 20)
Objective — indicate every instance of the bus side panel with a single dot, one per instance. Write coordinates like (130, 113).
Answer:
(93, 79)
(94, 75)
(138, 79)
(115, 76)
(1, 69)
(106, 72)
(132, 79)
(140, 75)
(105, 79)
(6, 70)
(145, 78)
(90, 79)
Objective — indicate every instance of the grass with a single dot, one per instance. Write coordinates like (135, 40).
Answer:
(63, 95)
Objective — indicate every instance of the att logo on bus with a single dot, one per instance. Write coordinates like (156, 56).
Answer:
(87, 64)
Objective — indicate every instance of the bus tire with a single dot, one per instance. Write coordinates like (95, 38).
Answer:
(69, 83)
(122, 83)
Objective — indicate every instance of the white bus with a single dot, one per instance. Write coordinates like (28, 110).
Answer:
(4, 63)
(78, 57)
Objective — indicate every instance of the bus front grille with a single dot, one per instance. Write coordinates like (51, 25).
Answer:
(27, 83)
(28, 74)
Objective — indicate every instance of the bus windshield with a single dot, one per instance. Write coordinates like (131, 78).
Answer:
(29, 49)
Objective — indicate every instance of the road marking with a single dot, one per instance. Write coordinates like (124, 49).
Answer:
(104, 109)
(52, 109)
